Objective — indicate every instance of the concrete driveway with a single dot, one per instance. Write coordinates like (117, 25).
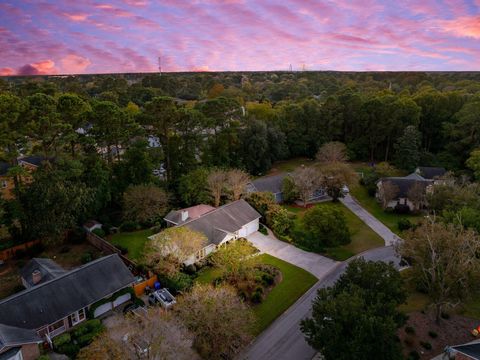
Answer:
(316, 264)
(388, 236)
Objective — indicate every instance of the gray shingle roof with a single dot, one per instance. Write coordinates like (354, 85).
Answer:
(47, 267)
(55, 299)
(194, 212)
(431, 172)
(404, 184)
(272, 184)
(226, 219)
(471, 350)
(4, 168)
(14, 336)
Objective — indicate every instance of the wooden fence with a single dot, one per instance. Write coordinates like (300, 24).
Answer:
(108, 248)
(9, 253)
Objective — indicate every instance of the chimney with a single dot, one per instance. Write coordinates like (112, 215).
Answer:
(184, 215)
(36, 277)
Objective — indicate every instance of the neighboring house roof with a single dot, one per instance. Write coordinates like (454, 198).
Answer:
(194, 212)
(226, 219)
(431, 172)
(414, 176)
(55, 299)
(13, 336)
(472, 350)
(91, 224)
(35, 160)
(404, 184)
(4, 168)
(272, 184)
(48, 268)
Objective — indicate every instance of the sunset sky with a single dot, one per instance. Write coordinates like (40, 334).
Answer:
(95, 36)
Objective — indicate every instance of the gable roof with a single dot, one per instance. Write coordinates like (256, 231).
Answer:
(414, 176)
(48, 268)
(14, 336)
(57, 298)
(471, 350)
(404, 184)
(226, 219)
(272, 184)
(194, 212)
(431, 172)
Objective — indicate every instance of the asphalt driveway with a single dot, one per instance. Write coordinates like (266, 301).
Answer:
(316, 264)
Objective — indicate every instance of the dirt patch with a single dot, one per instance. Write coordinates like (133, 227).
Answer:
(452, 331)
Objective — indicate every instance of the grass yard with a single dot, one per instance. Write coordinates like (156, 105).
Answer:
(295, 282)
(363, 238)
(134, 242)
(390, 220)
(289, 165)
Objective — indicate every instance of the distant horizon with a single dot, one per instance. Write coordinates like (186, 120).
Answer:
(139, 36)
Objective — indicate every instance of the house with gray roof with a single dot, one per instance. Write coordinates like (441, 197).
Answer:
(221, 225)
(17, 343)
(178, 217)
(39, 270)
(430, 173)
(53, 305)
(271, 184)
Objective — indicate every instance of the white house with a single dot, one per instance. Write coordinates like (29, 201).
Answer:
(221, 225)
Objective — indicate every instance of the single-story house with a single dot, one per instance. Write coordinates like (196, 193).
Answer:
(178, 217)
(271, 184)
(221, 225)
(52, 307)
(18, 344)
(274, 184)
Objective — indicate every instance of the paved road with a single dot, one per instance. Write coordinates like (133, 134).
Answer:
(388, 236)
(316, 264)
(283, 340)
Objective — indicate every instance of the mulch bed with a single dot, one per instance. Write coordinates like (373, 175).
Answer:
(452, 331)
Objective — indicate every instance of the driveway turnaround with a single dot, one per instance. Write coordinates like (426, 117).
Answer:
(388, 236)
(316, 264)
(283, 340)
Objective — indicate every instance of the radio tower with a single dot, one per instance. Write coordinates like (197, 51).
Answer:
(160, 64)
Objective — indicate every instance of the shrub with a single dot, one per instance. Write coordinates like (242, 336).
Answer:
(432, 334)
(413, 355)
(123, 249)
(18, 288)
(279, 219)
(179, 282)
(99, 232)
(408, 341)
(410, 330)
(34, 250)
(86, 257)
(69, 349)
(43, 357)
(426, 345)
(445, 315)
(86, 339)
(267, 279)
(129, 226)
(402, 209)
(61, 339)
(262, 229)
(20, 253)
(256, 297)
(77, 235)
(404, 224)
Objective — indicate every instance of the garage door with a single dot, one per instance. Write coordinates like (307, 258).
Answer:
(251, 227)
(121, 299)
(102, 309)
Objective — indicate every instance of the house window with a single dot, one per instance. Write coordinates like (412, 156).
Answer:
(77, 317)
(4, 184)
(57, 328)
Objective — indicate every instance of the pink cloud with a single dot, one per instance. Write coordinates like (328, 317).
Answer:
(6, 71)
(44, 67)
(74, 64)
(465, 26)
(76, 17)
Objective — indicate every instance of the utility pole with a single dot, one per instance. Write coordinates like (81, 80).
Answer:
(160, 64)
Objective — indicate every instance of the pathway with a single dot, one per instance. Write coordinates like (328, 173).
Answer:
(316, 264)
(376, 225)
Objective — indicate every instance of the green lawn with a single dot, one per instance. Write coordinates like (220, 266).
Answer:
(360, 193)
(363, 238)
(133, 241)
(295, 282)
